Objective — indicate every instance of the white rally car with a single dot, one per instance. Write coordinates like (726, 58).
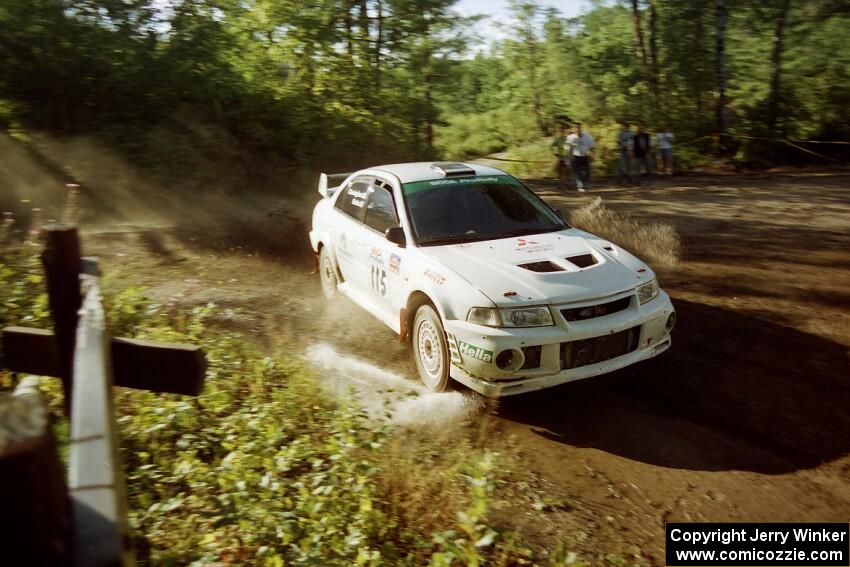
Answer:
(493, 287)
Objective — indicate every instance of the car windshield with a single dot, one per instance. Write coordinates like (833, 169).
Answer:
(446, 211)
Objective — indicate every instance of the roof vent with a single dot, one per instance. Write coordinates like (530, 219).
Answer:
(582, 260)
(544, 266)
(452, 169)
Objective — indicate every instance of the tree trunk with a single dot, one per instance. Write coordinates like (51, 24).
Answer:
(379, 40)
(639, 32)
(699, 50)
(537, 106)
(429, 103)
(653, 53)
(720, 13)
(365, 36)
(776, 67)
(348, 29)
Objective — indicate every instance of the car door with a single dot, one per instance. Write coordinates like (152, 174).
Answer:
(348, 231)
(382, 259)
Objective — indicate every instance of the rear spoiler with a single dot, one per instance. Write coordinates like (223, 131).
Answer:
(329, 183)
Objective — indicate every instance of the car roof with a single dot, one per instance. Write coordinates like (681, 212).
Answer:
(422, 170)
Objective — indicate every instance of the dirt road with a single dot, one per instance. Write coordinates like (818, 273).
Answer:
(746, 418)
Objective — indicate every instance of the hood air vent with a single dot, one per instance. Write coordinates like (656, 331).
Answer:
(582, 260)
(452, 169)
(545, 266)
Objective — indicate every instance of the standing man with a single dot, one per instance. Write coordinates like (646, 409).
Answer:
(642, 152)
(580, 145)
(664, 141)
(625, 142)
(559, 150)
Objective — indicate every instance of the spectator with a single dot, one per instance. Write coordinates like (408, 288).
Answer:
(580, 144)
(559, 150)
(642, 149)
(664, 141)
(625, 141)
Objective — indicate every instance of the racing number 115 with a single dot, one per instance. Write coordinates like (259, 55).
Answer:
(379, 280)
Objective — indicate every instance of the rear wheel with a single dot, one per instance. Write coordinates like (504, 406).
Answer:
(327, 273)
(430, 349)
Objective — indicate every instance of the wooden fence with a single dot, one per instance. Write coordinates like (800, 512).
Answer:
(78, 519)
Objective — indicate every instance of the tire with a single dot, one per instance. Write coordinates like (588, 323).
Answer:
(430, 350)
(327, 273)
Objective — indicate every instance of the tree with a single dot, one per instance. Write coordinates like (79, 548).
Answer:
(720, 14)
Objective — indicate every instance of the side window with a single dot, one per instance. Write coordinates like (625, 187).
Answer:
(353, 200)
(380, 211)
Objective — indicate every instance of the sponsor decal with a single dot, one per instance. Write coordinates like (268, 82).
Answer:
(434, 183)
(376, 256)
(476, 352)
(395, 263)
(532, 246)
(435, 276)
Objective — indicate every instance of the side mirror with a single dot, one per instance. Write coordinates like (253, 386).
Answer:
(396, 236)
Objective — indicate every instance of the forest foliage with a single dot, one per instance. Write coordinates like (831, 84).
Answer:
(173, 84)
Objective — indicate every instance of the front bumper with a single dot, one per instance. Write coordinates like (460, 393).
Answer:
(474, 348)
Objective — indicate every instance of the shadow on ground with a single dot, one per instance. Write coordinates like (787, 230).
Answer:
(734, 392)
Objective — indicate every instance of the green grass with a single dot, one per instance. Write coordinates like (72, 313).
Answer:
(262, 469)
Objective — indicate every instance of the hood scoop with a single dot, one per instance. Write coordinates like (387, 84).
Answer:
(582, 260)
(542, 267)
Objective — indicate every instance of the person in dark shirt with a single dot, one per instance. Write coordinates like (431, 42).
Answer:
(642, 150)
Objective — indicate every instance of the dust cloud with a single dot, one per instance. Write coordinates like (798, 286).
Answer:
(656, 242)
(388, 396)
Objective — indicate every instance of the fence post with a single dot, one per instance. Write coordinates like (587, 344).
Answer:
(62, 266)
(95, 479)
(35, 516)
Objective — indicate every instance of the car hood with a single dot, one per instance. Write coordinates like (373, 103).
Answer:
(493, 266)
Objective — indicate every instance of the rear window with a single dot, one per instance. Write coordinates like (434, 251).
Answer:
(353, 200)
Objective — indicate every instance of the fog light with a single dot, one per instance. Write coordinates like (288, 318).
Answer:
(510, 360)
(671, 322)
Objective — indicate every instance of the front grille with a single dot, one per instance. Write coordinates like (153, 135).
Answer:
(532, 357)
(576, 354)
(593, 311)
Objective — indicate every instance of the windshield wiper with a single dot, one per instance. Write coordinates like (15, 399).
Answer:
(450, 239)
(524, 232)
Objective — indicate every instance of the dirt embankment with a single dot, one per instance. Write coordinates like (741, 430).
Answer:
(746, 418)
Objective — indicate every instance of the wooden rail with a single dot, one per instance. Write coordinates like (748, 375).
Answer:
(81, 521)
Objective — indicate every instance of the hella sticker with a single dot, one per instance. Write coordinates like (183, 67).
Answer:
(473, 351)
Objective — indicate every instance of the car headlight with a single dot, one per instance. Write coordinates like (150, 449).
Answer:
(484, 316)
(648, 291)
(539, 316)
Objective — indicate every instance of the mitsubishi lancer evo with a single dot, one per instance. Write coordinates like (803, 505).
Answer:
(492, 287)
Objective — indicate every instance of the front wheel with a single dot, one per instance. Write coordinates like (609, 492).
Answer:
(327, 273)
(430, 349)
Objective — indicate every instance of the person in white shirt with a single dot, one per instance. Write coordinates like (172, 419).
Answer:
(664, 143)
(580, 144)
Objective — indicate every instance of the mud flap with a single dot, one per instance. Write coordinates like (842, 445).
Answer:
(402, 325)
(315, 261)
